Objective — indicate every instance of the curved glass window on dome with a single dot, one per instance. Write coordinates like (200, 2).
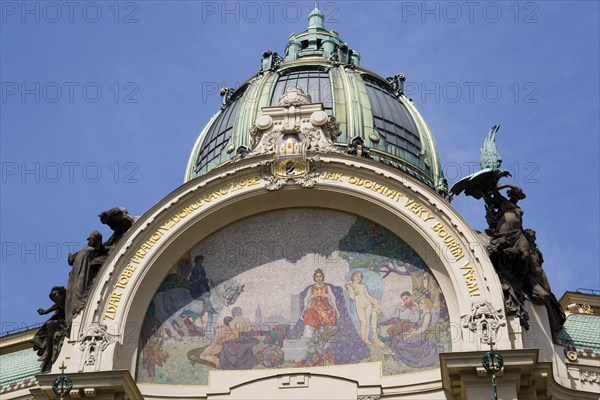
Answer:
(219, 133)
(313, 81)
(391, 118)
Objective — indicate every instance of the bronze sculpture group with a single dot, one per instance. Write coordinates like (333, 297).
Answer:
(511, 248)
(86, 263)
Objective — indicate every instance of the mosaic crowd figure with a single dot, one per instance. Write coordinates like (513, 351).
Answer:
(152, 337)
(238, 352)
(418, 347)
(200, 285)
(405, 317)
(223, 333)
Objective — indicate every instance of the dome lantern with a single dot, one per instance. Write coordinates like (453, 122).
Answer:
(316, 19)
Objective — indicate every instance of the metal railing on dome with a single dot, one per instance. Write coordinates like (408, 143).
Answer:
(588, 291)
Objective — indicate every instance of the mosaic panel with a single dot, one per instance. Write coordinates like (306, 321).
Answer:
(294, 288)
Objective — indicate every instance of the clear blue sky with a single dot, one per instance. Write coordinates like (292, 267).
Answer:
(102, 102)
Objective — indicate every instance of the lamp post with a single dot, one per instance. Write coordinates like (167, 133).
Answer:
(492, 363)
(62, 385)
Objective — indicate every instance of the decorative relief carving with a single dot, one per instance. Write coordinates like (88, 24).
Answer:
(288, 132)
(586, 309)
(294, 96)
(323, 133)
(255, 135)
(272, 182)
(331, 128)
(309, 179)
(306, 180)
(582, 308)
(261, 142)
(95, 340)
(302, 121)
(484, 320)
(261, 124)
(226, 94)
(270, 61)
(589, 376)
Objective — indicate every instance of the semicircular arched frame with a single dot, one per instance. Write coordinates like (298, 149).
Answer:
(353, 201)
(302, 287)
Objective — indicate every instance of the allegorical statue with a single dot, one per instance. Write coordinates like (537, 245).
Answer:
(480, 183)
(119, 220)
(541, 293)
(512, 249)
(87, 262)
(48, 339)
(85, 268)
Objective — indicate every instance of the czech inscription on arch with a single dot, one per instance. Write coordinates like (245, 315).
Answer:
(425, 217)
(404, 201)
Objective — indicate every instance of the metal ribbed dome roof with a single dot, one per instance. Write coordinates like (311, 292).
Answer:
(372, 111)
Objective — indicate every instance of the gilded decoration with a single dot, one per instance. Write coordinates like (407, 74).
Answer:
(288, 132)
(315, 288)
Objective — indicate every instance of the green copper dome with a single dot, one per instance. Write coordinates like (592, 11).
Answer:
(372, 111)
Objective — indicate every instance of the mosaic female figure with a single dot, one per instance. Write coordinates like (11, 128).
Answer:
(365, 305)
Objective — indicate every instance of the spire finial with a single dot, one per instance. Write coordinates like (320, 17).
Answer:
(316, 18)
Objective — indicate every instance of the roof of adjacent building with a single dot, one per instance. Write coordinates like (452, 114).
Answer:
(581, 330)
(18, 370)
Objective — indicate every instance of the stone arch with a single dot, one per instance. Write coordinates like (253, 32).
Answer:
(379, 193)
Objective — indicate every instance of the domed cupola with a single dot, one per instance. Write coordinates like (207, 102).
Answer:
(376, 120)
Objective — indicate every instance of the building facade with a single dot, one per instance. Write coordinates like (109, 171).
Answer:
(312, 252)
